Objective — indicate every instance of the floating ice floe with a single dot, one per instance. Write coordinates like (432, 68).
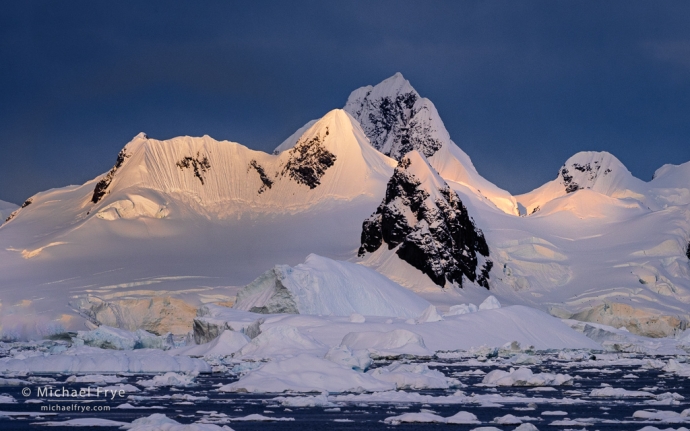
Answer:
(460, 418)
(414, 376)
(122, 388)
(610, 392)
(525, 377)
(306, 373)
(259, 418)
(652, 428)
(169, 379)
(160, 422)
(512, 419)
(7, 399)
(387, 344)
(304, 401)
(97, 379)
(669, 417)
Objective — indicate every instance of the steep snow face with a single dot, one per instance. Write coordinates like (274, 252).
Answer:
(330, 160)
(427, 226)
(178, 217)
(397, 120)
(329, 288)
(6, 208)
(587, 170)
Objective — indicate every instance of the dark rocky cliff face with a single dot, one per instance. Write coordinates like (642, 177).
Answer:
(200, 165)
(102, 186)
(266, 183)
(578, 176)
(308, 162)
(396, 124)
(437, 236)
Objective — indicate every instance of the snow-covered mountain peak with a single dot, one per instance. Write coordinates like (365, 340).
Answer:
(424, 223)
(397, 120)
(330, 159)
(672, 176)
(598, 171)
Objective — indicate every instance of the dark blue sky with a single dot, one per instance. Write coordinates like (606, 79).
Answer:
(521, 86)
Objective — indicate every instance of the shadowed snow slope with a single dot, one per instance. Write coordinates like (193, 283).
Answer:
(187, 214)
(330, 288)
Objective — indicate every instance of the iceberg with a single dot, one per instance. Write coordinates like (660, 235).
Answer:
(322, 286)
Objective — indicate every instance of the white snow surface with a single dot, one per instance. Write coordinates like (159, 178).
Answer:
(306, 373)
(460, 418)
(327, 287)
(6, 208)
(227, 343)
(160, 422)
(492, 328)
(523, 376)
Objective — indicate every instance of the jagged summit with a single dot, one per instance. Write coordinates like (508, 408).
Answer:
(426, 225)
(396, 119)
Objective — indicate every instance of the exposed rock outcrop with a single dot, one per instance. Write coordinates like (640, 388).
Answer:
(102, 186)
(428, 225)
(308, 162)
